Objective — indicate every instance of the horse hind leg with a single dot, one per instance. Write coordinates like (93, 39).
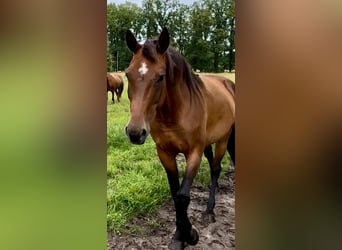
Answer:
(118, 94)
(208, 153)
(120, 90)
(215, 170)
(112, 96)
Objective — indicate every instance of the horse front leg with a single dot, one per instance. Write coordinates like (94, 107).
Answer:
(185, 233)
(184, 230)
(169, 163)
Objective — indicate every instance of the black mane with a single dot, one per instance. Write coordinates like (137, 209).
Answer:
(182, 69)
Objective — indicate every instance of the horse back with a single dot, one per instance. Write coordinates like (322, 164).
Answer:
(114, 81)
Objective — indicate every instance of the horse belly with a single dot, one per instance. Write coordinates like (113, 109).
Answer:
(219, 131)
(221, 115)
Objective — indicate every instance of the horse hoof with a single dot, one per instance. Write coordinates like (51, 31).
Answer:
(194, 237)
(176, 245)
(208, 218)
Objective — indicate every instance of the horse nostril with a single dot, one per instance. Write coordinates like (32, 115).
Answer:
(143, 133)
(126, 130)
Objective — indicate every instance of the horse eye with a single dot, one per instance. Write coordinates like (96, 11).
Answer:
(160, 78)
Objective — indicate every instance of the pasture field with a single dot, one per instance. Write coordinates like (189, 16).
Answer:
(136, 181)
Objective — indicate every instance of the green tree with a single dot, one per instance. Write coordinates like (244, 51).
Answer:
(231, 36)
(198, 50)
(110, 60)
(204, 32)
(181, 27)
(120, 18)
(223, 31)
(158, 14)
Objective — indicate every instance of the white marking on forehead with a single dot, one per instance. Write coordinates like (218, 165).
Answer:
(143, 69)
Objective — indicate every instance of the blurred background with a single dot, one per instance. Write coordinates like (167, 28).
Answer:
(53, 124)
(53, 129)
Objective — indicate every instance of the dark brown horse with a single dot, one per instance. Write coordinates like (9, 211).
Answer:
(115, 84)
(184, 113)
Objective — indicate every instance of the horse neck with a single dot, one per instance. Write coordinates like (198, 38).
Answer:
(178, 94)
(178, 101)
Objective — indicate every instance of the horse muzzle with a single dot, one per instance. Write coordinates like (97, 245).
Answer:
(136, 135)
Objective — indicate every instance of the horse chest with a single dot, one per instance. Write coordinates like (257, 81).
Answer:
(171, 140)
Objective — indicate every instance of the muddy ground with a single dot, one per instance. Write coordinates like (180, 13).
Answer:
(155, 231)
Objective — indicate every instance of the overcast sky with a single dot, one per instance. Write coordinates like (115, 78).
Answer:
(139, 2)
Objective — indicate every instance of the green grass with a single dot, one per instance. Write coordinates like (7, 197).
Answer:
(136, 181)
(230, 76)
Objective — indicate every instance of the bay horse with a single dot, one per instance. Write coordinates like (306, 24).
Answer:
(115, 84)
(184, 113)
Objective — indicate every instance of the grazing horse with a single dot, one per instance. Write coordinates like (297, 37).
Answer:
(184, 113)
(115, 84)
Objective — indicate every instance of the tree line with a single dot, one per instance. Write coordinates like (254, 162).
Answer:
(202, 32)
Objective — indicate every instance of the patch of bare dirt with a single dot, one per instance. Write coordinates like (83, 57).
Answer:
(155, 231)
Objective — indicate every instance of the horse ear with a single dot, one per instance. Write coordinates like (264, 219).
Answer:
(163, 41)
(131, 42)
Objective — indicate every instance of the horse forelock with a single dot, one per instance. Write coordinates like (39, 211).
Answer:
(177, 68)
(149, 51)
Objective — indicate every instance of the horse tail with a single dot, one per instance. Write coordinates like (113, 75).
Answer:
(231, 144)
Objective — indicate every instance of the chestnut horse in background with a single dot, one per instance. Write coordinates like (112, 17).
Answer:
(184, 113)
(115, 84)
